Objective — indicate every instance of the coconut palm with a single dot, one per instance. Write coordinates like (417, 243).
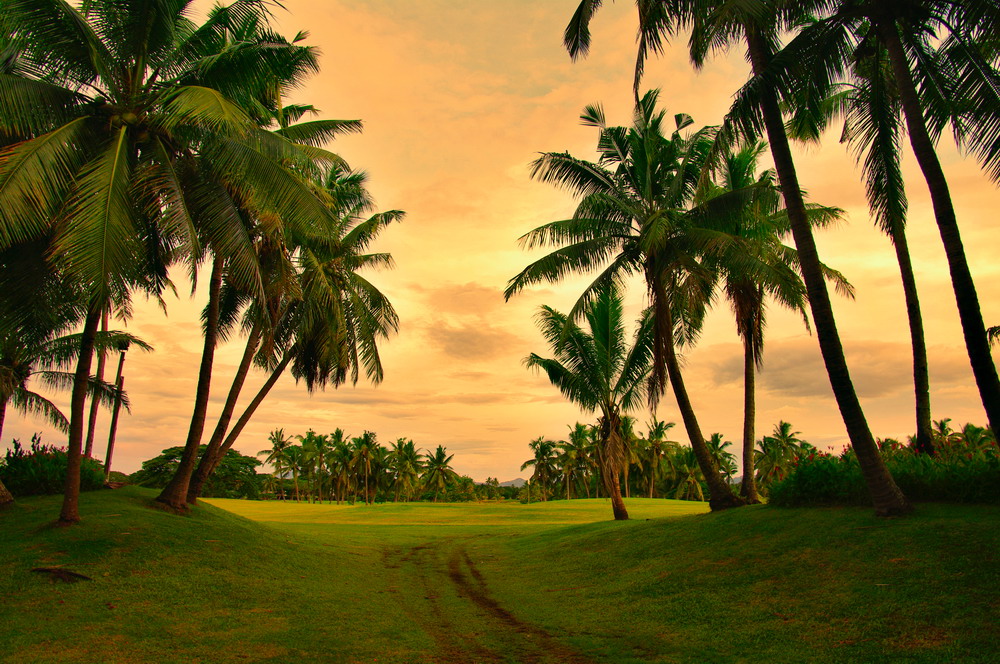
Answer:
(134, 94)
(725, 461)
(406, 464)
(942, 47)
(438, 473)
(277, 455)
(363, 449)
(757, 24)
(657, 452)
(339, 464)
(573, 458)
(328, 330)
(544, 462)
(599, 371)
(636, 215)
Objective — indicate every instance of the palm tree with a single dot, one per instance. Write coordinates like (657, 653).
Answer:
(406, 465)
(922, 41)
(544, 463)
(636, 212)
(657, 451)
(329, 332)
(873, 128)
(134, 95)
(724, 460)
(573, 458)
(438, 473)
(364, 450)
(339, 463)
(598, 371)
(277, 455)
(716, 25)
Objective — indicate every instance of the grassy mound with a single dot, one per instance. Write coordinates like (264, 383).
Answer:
(553, 582)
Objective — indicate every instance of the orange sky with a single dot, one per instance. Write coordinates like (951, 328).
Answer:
(457, 99)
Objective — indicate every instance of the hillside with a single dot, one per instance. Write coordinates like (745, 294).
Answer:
(553, 582)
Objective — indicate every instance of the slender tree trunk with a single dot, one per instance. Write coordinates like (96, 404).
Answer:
(175, 493)
(888, 500)
(748, 488)
(720, 495)
(924, 440)
(6, 498)
(113, 430)
(251, 408)
(88, 449)
(70, 513)
(969, 313)
(3, 414)
(617, 504)
(210, 460)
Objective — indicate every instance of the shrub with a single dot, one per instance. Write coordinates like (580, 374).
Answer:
(235, 476)
(41, 469)
(963, 470)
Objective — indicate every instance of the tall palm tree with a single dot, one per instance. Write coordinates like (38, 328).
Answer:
(438, 473)
(573, 458)
(944, 48)
(133, 95)
(636, 214)
(599, 371)
(873, 128)
(757, 24)
(758, 267)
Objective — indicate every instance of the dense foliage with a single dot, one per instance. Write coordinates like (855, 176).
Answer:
(964, 469)
(41, 469)
(235, 477)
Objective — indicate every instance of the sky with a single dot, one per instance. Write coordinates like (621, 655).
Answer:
(457, 98)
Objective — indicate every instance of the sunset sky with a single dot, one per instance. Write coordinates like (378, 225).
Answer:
(458, 97)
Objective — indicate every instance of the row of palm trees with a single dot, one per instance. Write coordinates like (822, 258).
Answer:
(653, 466)
(342, 468)
(666, 207)
(134, 140)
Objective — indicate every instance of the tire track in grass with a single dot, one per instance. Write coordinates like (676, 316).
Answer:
(443, 592)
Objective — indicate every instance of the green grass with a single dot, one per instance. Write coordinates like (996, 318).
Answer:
(555, 582)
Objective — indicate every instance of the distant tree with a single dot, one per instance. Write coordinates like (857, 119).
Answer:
(236, 477)
(543, 462)
(438, 473)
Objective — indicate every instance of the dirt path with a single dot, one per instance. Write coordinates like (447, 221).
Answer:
(442, 590)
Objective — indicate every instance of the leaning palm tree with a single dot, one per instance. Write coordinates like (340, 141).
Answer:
(757, 24)
(636, 217)
(329, 325)
(600, 372)
(945, 48)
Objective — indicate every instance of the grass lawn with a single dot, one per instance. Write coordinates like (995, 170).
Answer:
(240, 581)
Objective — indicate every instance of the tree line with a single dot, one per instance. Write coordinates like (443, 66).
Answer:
(686, 210)
(338, 467)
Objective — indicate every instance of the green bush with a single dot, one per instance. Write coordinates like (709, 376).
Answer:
(41, 469)
(960, 471)
(235, 477)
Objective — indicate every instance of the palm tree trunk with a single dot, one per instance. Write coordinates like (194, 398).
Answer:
(6, 498)
(70, 512)
(888, 500)
(88, 448)
(175, 493)
(113, 429)
(748, 488)
(924, 440)
(617, 504)
(969, 313)
(720, 495)
(3, 414)
(211, 458)
(249, 411)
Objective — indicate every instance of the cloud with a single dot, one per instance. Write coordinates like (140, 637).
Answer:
(476, 342)
(795, 368)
